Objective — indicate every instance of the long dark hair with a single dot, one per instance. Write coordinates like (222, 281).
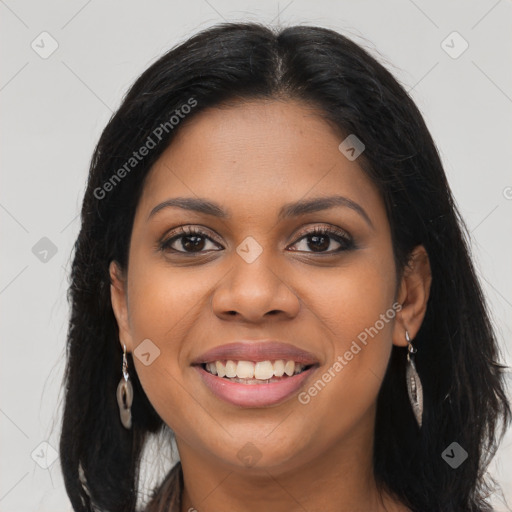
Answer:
(457, 355)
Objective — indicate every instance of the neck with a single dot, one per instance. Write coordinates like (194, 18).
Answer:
(340, 479)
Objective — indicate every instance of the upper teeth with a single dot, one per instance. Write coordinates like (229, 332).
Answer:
(261, 370)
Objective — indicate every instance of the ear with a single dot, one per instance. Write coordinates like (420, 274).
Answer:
(119, 298)
(413, 295)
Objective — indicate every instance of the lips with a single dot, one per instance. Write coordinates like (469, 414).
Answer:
(258, 388)
(256, 351)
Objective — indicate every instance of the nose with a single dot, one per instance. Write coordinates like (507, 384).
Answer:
(253, 292)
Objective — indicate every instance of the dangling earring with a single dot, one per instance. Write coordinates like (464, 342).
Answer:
(414, 387)
(125, 395)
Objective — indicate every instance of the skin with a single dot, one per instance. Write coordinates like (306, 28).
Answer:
(251, 158)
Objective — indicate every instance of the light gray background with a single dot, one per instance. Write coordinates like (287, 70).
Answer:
(54, 109)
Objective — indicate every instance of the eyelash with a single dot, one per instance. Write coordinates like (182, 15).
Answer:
(340, 236)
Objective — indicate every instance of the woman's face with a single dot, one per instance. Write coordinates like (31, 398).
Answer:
(254, 270)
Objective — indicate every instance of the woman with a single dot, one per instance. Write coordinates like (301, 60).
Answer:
(271, 265)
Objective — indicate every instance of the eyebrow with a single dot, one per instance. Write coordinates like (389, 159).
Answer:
(288, 210)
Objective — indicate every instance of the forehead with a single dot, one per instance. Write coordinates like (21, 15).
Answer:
(256, 153)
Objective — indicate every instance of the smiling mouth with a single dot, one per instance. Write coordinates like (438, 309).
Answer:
(255, 372)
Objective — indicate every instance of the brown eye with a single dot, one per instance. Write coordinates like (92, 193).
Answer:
(189, 240)
(319, 240)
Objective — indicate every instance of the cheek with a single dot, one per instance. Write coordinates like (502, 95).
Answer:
(164, 304)
(350, 299)
(357, 308)
(163, 300)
